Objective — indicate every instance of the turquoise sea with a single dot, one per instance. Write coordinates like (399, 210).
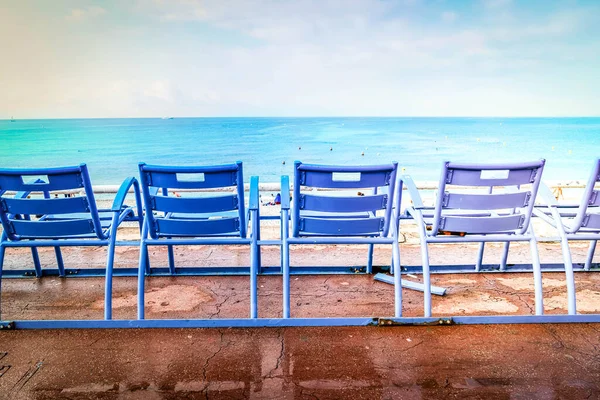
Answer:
(112, 148)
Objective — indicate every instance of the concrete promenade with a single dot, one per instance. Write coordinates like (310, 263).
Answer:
(505, 362)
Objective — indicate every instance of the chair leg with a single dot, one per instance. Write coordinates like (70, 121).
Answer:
(281, 231)
(110, 258)
(568, 261)
(397, 277)
(370, 259)
(171, 258)
(144, 236)
(480, 257)
(147, 266)
(504, 259)
(143, 268)
(259, 268)
(2, 251)
(254, 259)
(426, 279)
(397, 238)
(285, 263)
(142, 277)
(36, 262)
(537, 274)
(590, 255)
(425, 261)
(108, 282)
(59, 261)
(571, 299)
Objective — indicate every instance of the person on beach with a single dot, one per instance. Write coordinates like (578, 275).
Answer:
(274, 200)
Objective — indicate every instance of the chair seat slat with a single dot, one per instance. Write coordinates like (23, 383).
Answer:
(343, 204)
(195, 204)
(210, 180)
(51, 179)
(594, 198)
(497, 201)
(46, 206)
(103, 216)
(481, 225)
(341, 227)
(468, 177)
(323, 214)
(200, 227)
(50, 229)
(592, 221)
(327, 179)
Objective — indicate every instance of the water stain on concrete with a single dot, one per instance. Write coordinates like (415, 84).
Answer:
(477, 303)
(168, 298)
(524, 283)
(587, 301)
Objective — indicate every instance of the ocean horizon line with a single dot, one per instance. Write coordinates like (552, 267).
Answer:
(304, 117)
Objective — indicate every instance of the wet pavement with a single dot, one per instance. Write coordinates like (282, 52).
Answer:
(431, 362)
(477, 362)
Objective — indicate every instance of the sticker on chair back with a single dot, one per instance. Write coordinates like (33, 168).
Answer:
(34, 179)
(494, 174)
(345, 176)
(193, 177)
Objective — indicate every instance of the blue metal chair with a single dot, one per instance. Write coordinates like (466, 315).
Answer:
(38, 217)
(501, 212)
(328, 218)
(574, 222)
(207, 219)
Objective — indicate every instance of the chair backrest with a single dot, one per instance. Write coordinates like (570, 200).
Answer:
(507, 210)
(329, 214)
(25, 215)
(193, 214)
(591, 198)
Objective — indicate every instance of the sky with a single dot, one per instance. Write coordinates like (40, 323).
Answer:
(153, 58)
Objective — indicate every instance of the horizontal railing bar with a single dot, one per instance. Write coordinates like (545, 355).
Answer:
(491, 268)
(299, 322)
(294, 270)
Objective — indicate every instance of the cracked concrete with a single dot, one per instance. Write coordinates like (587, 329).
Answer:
(517, 361)
(502, 361)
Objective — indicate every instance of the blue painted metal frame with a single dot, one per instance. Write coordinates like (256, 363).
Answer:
(301, 322)
(62, 178)
(573, 226)
(344, 226)
(193, 226)
(480, 175)
(253, 217)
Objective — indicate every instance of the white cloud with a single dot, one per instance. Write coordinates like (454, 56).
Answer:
(313, 57)
(79, 14)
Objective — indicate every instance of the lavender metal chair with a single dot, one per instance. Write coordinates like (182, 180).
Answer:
(323, 218)
(38, 216)
(574, 222)
(490, 215)
(207, 219)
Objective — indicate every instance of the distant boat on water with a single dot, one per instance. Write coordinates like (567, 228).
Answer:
(167, 117)
(12, 119)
